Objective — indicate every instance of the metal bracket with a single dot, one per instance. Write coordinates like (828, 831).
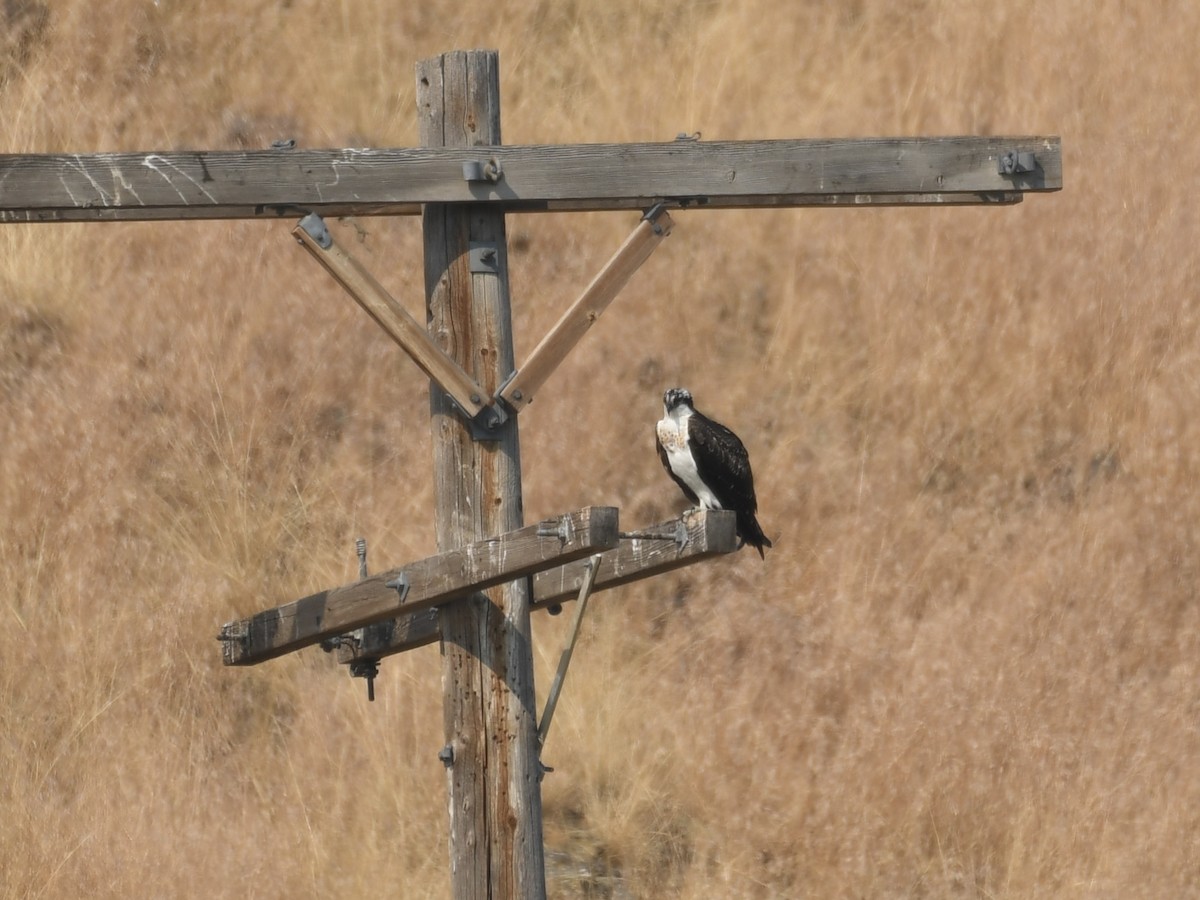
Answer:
(653, 213)
(315, 226)
(504, 386)
(485, 426)
(1017, 163)
(400, 585)
(477, 170)
(485, 257)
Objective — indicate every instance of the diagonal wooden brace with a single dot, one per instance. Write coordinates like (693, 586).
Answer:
(520, 389)
(419, 585)
(391, 316)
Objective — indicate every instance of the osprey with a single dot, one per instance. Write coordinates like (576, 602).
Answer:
(710, 463)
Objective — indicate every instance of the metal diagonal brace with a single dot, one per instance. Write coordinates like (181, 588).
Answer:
(585, 589)
(520, 388)
(395, 320)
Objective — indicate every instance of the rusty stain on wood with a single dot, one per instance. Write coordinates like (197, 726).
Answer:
(487, 668)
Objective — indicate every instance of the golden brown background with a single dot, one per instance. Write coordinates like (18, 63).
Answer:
(969, 667)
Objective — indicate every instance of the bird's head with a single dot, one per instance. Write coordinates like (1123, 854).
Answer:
(677, 398)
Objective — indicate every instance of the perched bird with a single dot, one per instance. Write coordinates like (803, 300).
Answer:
(710, 463)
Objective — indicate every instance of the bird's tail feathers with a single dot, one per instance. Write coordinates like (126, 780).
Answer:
(751, 533)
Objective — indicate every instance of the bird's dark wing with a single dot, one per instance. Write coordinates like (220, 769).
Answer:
(722, 463)
(662, 455)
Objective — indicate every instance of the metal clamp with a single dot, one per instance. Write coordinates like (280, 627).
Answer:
(490, 171)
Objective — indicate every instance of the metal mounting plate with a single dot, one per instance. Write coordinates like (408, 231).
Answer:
(485, 257)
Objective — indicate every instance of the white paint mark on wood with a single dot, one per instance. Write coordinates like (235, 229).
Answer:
(150, 163)
(102, 195)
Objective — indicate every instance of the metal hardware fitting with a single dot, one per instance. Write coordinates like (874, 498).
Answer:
(477, 170)
(284, 144)
(679, 535)
(368, 669)
(517, 395)
(400, 585)
(1017, 163)
(339, 640)
(234, 633)
(446, 755)
(562, 530)
(360, 547)
(315, 226)
(685, 136)
(485, 425)
(653, 213)
(485, 257)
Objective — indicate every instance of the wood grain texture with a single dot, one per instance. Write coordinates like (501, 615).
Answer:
(432, 581)
(586, 310)
(394, 319)
(275, 183)
(707, 533)
(487, 658)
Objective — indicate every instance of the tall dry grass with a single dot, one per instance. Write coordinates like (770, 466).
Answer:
(969, 668)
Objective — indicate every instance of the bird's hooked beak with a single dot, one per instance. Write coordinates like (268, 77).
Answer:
(675, 396)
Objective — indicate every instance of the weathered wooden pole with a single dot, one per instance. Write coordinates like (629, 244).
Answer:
(487, 662)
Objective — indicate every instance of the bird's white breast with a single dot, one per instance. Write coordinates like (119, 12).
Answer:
(673, 435)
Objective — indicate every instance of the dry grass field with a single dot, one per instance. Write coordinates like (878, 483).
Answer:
(971, 665)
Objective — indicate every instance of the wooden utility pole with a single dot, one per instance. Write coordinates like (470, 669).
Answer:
(487, 660)
(476, 594)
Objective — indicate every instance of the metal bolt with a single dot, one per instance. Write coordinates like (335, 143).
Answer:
(517, 395)
(446, 755)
